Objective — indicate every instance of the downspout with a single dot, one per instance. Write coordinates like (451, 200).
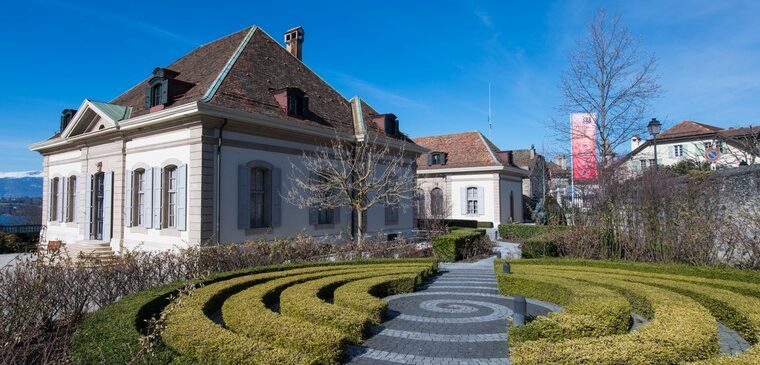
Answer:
(217, 186)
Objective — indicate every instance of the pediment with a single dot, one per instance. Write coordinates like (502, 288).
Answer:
(93, 116)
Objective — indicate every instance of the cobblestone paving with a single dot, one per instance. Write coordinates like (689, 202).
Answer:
(457, 318)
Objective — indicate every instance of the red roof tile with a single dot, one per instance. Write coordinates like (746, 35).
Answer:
(468, 149)
(688, 128)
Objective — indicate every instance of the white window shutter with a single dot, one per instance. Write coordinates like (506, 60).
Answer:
(671, 151)
(59, 201)
(148, 196)
(76, 209)
(182, 197)
(107, 205)
(276, 197)
(129, 176)
(88, 207)
(463, 200)
(244, 197)
(64, 199)
(481, 201)
(157, 197)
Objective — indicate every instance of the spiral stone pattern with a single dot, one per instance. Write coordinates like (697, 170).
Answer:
(456, 318)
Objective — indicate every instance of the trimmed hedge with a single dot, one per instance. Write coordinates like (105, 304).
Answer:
(521, 232)
(303, 301)
(542, 245)
(111, 335)
(364, 295)
(590, 310)
(682, 330)
(449, 247)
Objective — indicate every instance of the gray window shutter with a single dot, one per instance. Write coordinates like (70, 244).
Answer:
(481, 202)
(107, 205)
(59, 201)
(268, 199)
(463, 199)
(64, 199)
(157, 200)
(182, 197)
(75, 218)
(87, 207)
(276, 197)
(336, 215)
(244, 197)
(129, 175)
(312, 216)
(148, 196)
(50, 200)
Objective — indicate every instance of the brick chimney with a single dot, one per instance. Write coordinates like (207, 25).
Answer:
(294, 41)
(635, 142)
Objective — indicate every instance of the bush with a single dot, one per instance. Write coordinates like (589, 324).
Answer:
(543, 245)
(363, 295)
(452, 246)
(463, 223)
(521, 232)
(485, 224)
(590, 310)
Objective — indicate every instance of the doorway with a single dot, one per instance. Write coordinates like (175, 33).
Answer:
(98, 182)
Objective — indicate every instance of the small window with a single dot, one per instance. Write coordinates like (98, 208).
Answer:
(138, 212)
(260, 197)
(472, 200)
(54, 191)
(678, 150)
(155, 94)
(170, 197)
(652, 162)
(437, 158)
(436, 203)
(298, 103)
(643, 164)
(708, 145)
(721, 147)
(325, 216)
(71, 199)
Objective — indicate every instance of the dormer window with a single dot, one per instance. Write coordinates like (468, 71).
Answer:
(163, 88)
(298, 103)
(387, 123)
(437, 158)
(66, 117)
(155, 94)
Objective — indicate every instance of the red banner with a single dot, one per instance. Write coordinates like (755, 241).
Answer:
(583, 143)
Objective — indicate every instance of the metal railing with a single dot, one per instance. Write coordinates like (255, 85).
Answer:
(21, 228)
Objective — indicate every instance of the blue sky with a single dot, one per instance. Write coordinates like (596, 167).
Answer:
(427, 62)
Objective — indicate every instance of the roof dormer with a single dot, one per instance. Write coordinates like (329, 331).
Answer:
(163, 88)
(293, 101)
(388, 123)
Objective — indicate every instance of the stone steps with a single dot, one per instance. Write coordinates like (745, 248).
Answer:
(89, 251)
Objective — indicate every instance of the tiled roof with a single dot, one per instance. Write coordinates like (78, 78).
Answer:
(260, 66)
(468, 149)
(688, 128)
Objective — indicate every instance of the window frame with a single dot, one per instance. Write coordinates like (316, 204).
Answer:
(71, 198)
(437, 207)
(156, 91)
(54, 191)
(472, 201)
(266, 198)
(678, 150)
(138, 197)
(169, 207)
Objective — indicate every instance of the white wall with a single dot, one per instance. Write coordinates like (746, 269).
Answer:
(67, 232)
(488, 182)
(692, 150)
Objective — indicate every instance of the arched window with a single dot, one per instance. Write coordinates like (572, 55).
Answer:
(260, 197)
(138, 197)
(170, 196)
(420, 203)
(436, 202)
(472, 200)
(71, 199)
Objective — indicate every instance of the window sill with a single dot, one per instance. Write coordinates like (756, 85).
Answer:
(324, 226)
(171, 232)
(258, 231)
(138, 229)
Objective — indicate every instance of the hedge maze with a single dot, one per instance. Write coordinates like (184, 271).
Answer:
(683, 305)
(274, 315)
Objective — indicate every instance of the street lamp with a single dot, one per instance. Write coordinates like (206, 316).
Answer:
(654, 129)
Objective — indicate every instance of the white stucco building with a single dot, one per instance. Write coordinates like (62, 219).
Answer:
(200, 152)
(465, 176)
(691, 141)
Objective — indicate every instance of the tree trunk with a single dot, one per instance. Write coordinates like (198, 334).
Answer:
(359, 235)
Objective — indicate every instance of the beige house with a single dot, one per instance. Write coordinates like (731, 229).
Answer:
(200, 152)
(465, 176)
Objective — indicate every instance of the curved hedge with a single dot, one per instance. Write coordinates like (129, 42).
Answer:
(589, 310)
(363, 295)
(682, 331)
(112, 334)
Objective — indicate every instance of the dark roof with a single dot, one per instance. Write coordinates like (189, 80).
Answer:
(262, 65)
(468, 149)
(688, 128)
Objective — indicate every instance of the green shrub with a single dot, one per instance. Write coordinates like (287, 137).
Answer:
(450, 247)
(519, 232)
(543, 245)
(485, 224)
(682, 330)
(364, 295)
(111, 335)
(590, 310)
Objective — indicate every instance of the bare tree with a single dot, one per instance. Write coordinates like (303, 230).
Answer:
(358, 175)
(743, 144)
(611, 77)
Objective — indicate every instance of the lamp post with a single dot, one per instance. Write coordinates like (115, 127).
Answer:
(654, 129)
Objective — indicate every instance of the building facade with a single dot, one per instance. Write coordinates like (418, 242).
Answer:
(201, 152)
(464, 176)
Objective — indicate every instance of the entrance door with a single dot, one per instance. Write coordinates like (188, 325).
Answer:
(97, 206)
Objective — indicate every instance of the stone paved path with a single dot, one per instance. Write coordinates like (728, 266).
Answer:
(457, 318)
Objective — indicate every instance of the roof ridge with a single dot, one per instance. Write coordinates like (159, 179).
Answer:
(211, 91)
(447, 134)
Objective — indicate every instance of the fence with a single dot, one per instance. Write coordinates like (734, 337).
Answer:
(21, 228)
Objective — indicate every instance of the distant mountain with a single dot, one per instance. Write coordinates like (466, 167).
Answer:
(20, 184)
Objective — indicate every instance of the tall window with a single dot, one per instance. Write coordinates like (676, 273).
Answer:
(678, 150)
(54, 191)
(259, 197)
(472, 200)
(155, 94)
(71, 199)
(436, 202)
(138, 211)
(391, 214)
(420, 200)
(325, 216)
(170, 197)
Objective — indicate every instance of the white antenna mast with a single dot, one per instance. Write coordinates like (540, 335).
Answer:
(490, 125)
